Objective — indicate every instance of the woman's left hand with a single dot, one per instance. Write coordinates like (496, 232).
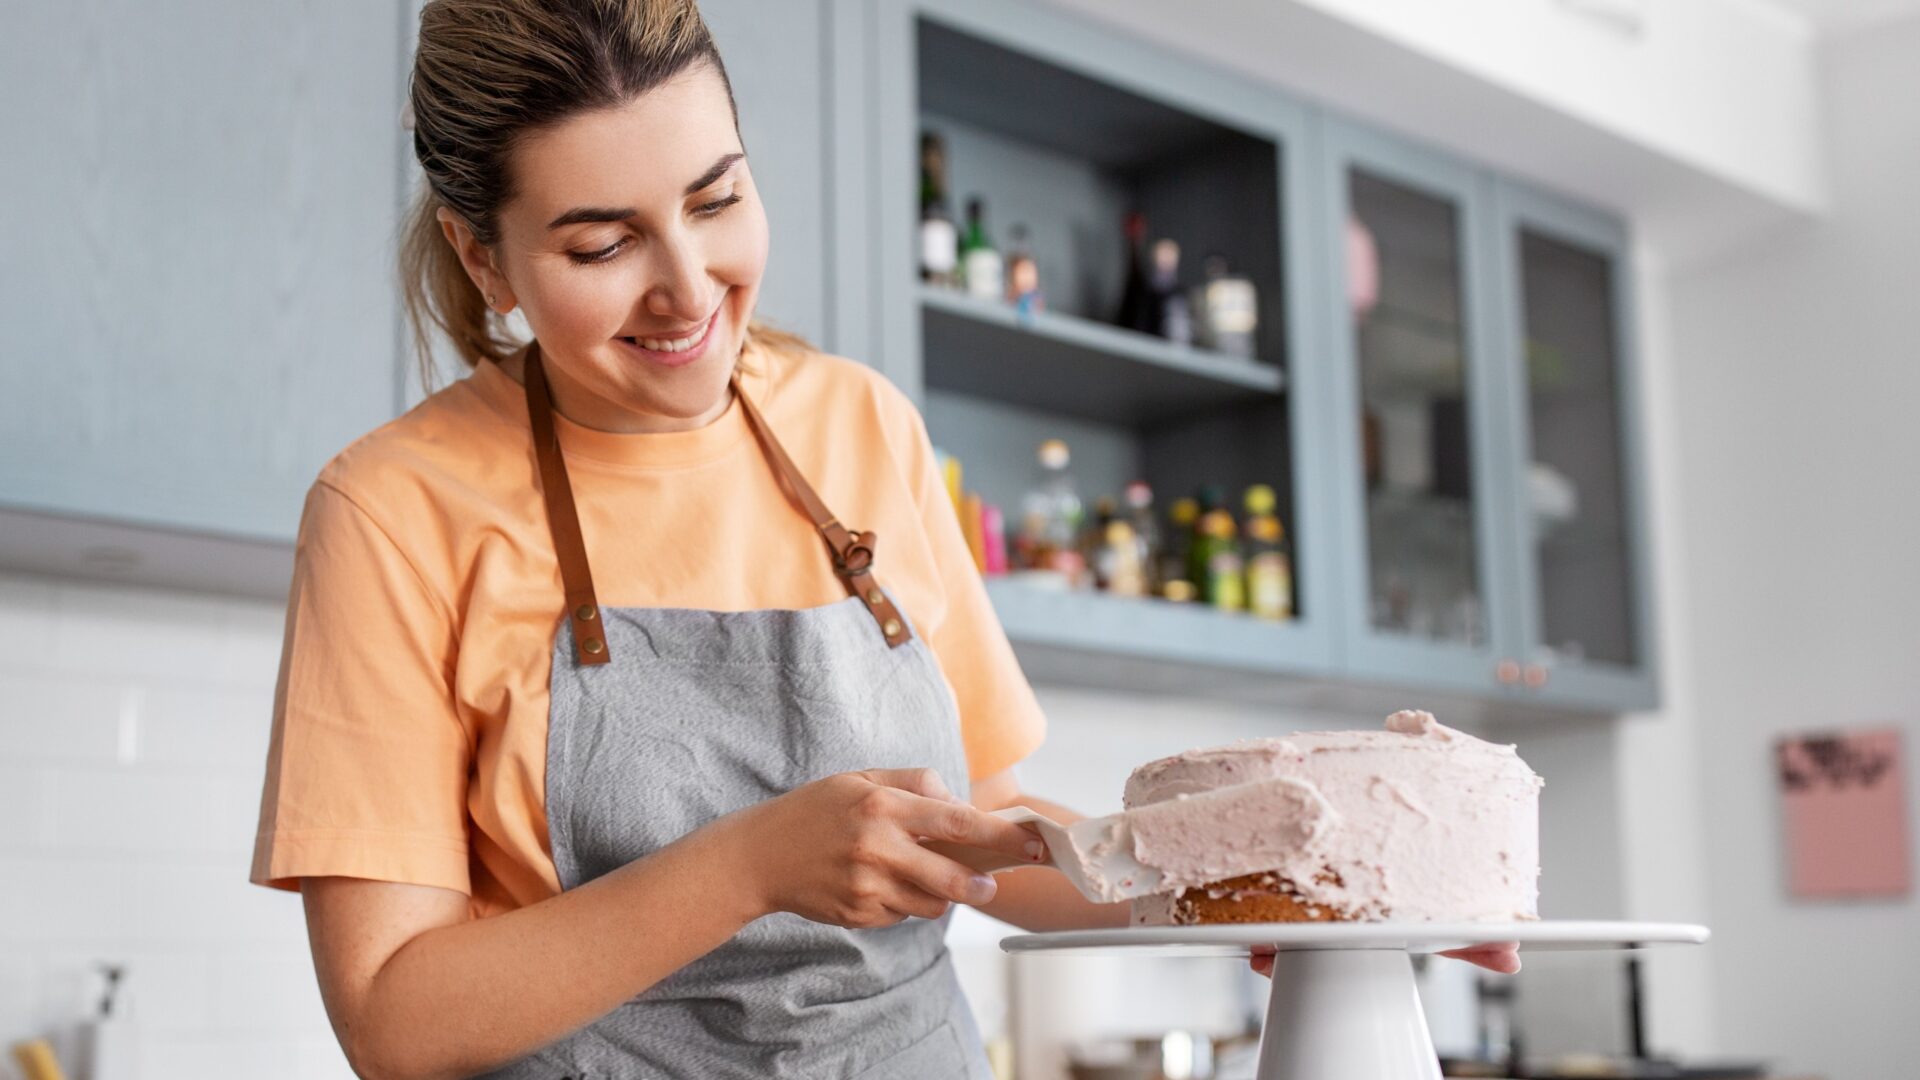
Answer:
(1503, 957)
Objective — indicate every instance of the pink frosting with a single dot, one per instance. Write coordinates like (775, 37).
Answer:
(1418, 821)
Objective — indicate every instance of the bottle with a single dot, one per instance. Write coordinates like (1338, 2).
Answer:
(1269, 570)
(993, 540)
(1136, 297)
(1211, 499)
(970, 530)
(951, 474)
(979, 259)
(1094, 536)
(939, 240)
(1146, 530)
(1226, 310)
(1117, 565)
(1170, 304)
(1050, 516)
(1176, 562)
(1226, 584)
(1023, 277)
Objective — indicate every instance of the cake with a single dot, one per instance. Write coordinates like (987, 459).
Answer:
(1415, 822)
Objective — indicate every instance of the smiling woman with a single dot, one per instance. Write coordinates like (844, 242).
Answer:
(617, 209)
(601, 746)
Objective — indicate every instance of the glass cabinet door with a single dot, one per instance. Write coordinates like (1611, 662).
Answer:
(1568, 352)
(1407, 232)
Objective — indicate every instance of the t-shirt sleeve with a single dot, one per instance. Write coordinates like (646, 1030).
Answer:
(1000, 719)
(368, 761)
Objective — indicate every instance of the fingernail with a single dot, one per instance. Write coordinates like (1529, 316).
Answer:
(981, 886)
(1036, 850)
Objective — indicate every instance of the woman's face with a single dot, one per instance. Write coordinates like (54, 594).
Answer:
(634, 244)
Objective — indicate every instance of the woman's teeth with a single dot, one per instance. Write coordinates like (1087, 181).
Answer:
(666, 346)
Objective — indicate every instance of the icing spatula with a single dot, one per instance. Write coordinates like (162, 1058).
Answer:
(1095, 854)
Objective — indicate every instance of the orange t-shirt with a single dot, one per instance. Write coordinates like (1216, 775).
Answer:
(410, 719)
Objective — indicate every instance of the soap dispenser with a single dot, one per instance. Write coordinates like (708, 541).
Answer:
(112, 1036)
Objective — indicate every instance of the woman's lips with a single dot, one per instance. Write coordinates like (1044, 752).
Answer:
(674, 359)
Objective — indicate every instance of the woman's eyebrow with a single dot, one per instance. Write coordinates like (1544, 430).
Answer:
(582, 214)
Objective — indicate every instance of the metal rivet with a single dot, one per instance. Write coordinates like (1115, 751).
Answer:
(585, 612)
(594, 646)
(876, 597)
(891, 628)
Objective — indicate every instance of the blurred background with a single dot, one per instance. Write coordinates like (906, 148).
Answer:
(1548, 364)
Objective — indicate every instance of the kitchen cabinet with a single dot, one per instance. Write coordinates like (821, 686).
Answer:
(212, 311)
(1406, 246)
(1443, 389)
(205, 309)
(1490, 467)
(1064, 129)
(1570, 391)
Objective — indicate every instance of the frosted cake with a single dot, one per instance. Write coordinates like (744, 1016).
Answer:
(1415, 822)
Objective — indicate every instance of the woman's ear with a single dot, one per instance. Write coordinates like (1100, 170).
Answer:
(477, 260)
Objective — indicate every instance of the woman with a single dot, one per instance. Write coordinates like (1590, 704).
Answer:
(616, 761)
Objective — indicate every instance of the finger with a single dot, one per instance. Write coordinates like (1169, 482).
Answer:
(963, 823)
(917, 903)
(941, 877)
(1502, 957)
(924, 782)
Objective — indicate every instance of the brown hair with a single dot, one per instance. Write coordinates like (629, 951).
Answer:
(487, 72)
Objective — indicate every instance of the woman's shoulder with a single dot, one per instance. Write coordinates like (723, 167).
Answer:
(450, 442)
(823, 389)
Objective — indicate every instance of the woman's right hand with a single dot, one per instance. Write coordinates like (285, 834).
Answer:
(846, 849)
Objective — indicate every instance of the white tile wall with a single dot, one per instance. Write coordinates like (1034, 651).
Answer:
(133, 734)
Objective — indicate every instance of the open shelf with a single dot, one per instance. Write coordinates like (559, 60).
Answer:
(1078, 367)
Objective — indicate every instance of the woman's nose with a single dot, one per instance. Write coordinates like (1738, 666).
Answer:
(682, 288)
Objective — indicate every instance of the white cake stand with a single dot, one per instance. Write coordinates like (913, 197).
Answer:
(1344, 1005)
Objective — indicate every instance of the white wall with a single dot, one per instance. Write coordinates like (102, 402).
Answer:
(1795, 377)
(133, 738)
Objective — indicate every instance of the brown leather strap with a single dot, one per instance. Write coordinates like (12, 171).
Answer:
(852, 551)
(590, 638)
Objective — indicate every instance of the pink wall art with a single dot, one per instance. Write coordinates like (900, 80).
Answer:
(1845, 808)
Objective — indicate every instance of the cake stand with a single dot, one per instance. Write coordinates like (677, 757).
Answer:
(1344, 1005)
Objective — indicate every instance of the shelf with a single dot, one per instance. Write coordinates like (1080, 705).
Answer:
(1078, 367)
(1150, 629)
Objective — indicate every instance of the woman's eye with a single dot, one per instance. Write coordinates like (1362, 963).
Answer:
(712, 208)
(605, 253)
(705, 210)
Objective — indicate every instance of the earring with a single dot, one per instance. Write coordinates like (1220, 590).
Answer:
(489, 299)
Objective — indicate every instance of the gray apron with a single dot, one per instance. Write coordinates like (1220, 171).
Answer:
(663, 719)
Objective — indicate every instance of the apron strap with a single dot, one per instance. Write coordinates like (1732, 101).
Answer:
(577, 578)
(852, 552)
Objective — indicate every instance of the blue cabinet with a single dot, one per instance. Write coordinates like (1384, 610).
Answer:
(1584, 626)
(1064, 128)
(1488, 461)
(205, 308)
(1409, 313)
(1447, 373)
(212, 313)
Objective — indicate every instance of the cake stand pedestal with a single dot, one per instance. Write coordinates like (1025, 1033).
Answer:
(1344, 1005)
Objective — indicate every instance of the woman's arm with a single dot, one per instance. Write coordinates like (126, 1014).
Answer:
(416, 988)
(1040, 898)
